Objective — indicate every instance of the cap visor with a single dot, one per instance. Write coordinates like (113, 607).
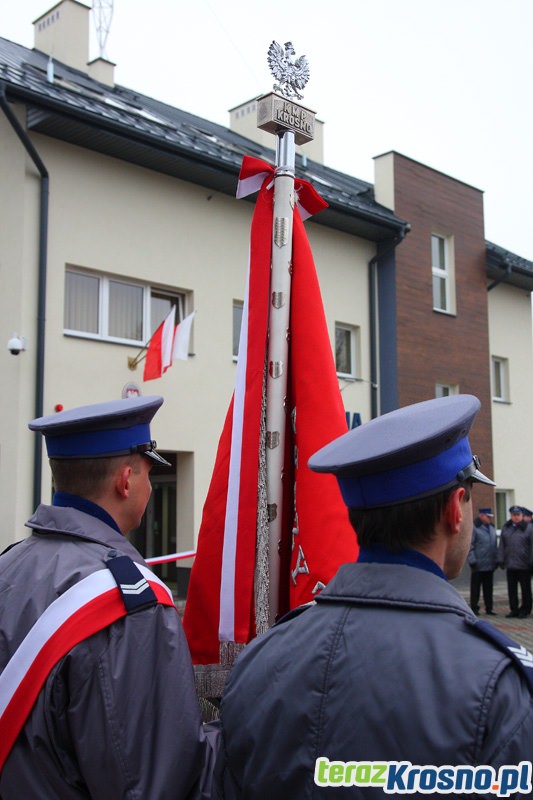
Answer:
(480, 478)
(157, 458)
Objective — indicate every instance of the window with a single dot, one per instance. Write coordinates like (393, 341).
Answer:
(100, 306)
(346, 344)
(160, 306)
(238, 307)
(503, 502)
(500, 379)
(442, 269)
(445, 389)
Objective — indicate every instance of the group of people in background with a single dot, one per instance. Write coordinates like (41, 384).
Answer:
(513, 552)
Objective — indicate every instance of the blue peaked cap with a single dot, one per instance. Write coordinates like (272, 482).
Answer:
(406, 454)
(118, 427)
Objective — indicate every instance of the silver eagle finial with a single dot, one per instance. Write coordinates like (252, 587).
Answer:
(292, 75)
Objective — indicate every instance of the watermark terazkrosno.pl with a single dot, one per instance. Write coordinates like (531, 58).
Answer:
(402, 777)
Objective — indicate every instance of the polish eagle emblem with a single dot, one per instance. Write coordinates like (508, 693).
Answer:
(292, 74)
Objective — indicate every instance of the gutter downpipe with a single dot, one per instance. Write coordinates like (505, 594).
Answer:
(41, 291)
(373, 317)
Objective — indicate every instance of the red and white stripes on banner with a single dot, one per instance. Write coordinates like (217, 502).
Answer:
(86, 608)
(238, 551)
(220, 600)
(255, 175)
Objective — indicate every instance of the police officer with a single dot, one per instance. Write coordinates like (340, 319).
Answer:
(97, 696)
(527, 515)
(516, 557)
(483, 560)
(390, 664)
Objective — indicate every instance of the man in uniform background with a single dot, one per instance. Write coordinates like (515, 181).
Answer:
(112, 713)
(483, 560)
(516, 557)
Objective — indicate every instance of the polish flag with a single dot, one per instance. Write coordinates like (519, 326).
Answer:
(169, 342)
(182, 337)
(317, 535)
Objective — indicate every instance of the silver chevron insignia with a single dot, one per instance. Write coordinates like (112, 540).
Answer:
(523, 655)
(135, 588)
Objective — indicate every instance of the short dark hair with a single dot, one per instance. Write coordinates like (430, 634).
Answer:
(86, 477)
(410, 524)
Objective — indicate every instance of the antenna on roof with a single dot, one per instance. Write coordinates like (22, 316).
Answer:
(103, 14)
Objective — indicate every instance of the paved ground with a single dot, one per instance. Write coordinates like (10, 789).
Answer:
(521, 630)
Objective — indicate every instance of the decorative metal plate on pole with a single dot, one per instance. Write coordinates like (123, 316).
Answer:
(292, 124)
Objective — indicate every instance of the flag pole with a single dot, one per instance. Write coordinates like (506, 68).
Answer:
(277, 359)
(292, 124)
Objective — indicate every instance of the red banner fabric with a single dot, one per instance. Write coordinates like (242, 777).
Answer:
(318, 536)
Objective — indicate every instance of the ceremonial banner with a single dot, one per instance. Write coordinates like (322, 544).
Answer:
(318, 537)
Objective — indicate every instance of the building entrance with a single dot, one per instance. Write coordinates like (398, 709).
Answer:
(157, 533)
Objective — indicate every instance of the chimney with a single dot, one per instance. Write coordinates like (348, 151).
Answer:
(243, 120)
(102, 70)
(384, 180)
(63, 34)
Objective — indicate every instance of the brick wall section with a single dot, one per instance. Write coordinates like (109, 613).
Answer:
(433, 347)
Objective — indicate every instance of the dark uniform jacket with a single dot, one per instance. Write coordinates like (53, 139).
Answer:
(516, 546)
(387, 666)
(483, 555)
(118, 716)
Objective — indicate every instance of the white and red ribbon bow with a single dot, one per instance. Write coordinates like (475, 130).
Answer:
(254, 172)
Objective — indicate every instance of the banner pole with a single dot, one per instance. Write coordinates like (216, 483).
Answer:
(278, 352)
(292, 124)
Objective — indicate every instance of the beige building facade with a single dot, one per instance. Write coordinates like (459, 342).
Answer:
(113, 209)
(112, 221)
(119, 234)
(511, 385)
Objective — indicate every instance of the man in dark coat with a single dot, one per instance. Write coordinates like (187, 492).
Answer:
(389, 670)
(97, 695)
(483, 560)
(516, 557)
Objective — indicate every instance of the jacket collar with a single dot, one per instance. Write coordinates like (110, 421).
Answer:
(72, 522)
(396, 585)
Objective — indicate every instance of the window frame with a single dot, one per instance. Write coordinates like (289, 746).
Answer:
(503, 500)
(444, 272)
(353, 331)
(502, 379)
(453, 388)
(103, 303)
(236, 304)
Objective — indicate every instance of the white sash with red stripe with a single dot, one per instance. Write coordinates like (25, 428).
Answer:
(86, 608)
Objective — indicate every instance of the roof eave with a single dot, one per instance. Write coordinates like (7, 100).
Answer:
(217, 171)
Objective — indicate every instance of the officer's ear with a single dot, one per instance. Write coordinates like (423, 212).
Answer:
(122, 480)
(454, 509)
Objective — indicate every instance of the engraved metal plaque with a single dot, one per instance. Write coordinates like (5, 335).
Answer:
(281, 231)
(278, 299)
(272, 439)
(275, 369)
(277, 114)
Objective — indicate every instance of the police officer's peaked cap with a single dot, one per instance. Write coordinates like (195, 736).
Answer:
(406, 454)
(516, 510)
(118, 427)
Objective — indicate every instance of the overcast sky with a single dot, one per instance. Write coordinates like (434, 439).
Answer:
(445, 82)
